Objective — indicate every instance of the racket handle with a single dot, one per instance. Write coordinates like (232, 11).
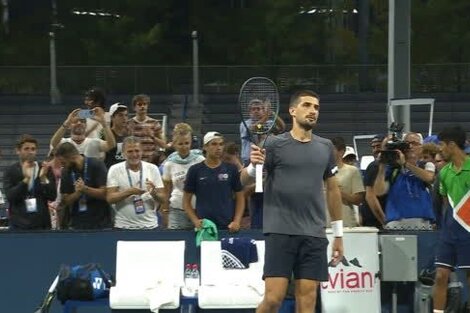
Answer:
(259, 178)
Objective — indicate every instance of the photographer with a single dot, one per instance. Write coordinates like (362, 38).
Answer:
(406, 182)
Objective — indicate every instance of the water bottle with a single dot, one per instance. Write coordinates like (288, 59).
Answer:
(189, 289)
(195, 277)
(187, 273)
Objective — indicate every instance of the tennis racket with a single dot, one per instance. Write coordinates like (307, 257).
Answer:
(259, 108)
(46, 303)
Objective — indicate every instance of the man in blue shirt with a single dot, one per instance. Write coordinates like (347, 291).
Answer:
(217, 187)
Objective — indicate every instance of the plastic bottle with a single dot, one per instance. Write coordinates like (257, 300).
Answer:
(190, 288)
(187, 273)
(195, 273)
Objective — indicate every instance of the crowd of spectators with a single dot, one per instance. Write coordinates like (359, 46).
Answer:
(115, 171)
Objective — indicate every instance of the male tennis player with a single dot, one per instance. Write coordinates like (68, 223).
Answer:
(298, 165)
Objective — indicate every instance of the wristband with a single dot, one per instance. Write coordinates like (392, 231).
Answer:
(251, 170)
(337, 228)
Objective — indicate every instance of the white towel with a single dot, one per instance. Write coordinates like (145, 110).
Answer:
(159, 295)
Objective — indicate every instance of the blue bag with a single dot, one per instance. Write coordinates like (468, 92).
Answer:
(83, 282)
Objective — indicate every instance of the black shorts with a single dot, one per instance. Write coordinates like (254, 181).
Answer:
(303, 256)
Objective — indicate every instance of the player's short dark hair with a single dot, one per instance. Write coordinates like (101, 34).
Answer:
(302, 93)
(455, 134)
(25, 139)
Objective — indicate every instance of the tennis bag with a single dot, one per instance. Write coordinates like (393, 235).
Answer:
(83, 282)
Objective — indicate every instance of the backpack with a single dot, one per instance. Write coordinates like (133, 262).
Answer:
(83, 282)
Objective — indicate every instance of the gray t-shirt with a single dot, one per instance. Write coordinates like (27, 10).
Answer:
(294, 202)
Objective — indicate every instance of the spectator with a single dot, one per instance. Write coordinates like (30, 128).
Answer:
(350, 184)
(135, 188)
(258, 112)
(409, 203)
(454, 244)
(56, 208)
(232, 155)
(95, 98)
(118, 113)
(83, 189)
(429, 152)
(217, 187)
(28, 187)
(90, 147)
(349, 156)
(147, 129)
(174, 175)
(372, 209)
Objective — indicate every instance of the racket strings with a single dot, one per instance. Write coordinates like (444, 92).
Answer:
(259, 104)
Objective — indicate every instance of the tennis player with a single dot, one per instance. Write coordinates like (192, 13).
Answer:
(298, 164)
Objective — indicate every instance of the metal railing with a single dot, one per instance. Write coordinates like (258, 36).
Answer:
(34, 80)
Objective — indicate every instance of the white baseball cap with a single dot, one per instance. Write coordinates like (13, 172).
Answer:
(210, 136)
(349, 151)
(115, 107)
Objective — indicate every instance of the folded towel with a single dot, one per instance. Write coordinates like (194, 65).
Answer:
(208, 231)
(238, 253)
(158, 295)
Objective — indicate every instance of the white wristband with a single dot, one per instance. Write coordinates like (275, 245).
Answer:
(251, 170)
(337, 228)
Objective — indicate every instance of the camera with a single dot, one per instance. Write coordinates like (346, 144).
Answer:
(390, 154)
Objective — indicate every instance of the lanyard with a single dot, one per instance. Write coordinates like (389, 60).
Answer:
(129, 176)
(33, 178)
(85, 172)
(85, 177)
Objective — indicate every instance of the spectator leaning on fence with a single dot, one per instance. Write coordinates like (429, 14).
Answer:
(135, 188)
(217, 187)
(175, 169)
(83, 189)
(28, 187)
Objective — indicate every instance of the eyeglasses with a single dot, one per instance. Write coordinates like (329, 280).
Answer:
(438, 161)
(414, 143)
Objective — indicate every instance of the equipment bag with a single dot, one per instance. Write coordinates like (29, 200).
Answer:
(83, 282)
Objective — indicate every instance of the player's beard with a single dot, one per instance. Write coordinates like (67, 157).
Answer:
(306, 125)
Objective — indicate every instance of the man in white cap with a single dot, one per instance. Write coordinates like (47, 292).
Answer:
(118, 113)
(350, 156)
(350, 184)
(214, 184)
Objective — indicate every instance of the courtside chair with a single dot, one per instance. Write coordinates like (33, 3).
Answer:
(229, 288)
(149, 274)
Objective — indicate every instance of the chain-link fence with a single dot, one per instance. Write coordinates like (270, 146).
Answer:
(228, 79)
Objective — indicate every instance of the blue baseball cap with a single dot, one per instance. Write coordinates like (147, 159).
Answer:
(431, 139)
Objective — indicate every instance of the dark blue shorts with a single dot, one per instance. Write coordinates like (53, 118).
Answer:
(303, 256)
(453, 253)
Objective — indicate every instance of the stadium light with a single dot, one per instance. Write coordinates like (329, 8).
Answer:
(99, 13)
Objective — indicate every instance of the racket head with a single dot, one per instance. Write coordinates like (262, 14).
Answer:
(259, 105)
